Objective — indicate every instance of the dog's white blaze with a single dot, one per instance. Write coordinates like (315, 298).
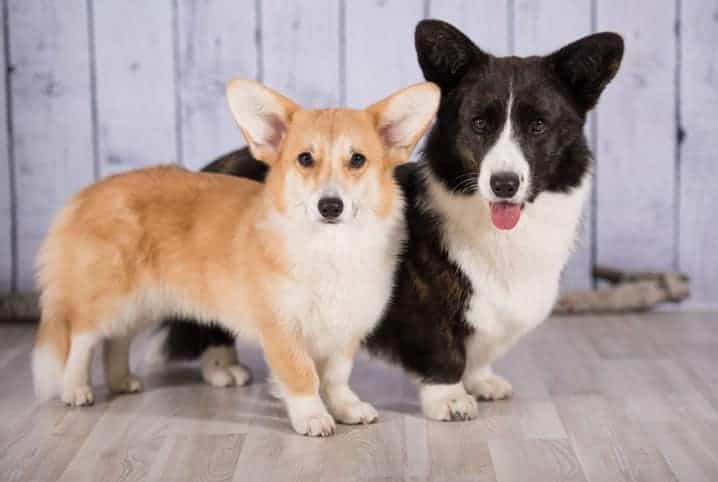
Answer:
(505, 156)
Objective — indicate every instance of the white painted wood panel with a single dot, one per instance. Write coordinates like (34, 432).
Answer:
(160, 69)
(301, 50)
(636, 139)
(699, 153)
(135, 83)
(486, 23)
(6, 265)
(52, 128)
(216, 43)
(540, 27)
(380, 56)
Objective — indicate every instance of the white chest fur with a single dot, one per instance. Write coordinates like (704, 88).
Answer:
(340, 280)
(514, 274)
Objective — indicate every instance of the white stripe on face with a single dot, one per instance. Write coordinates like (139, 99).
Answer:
(505, 156)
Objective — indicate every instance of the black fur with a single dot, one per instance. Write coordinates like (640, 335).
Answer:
(424, 328)
(558, 89)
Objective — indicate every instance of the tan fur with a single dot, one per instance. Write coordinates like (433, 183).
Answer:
(164, 240)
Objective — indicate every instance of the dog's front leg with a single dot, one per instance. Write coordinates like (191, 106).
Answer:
(482, 349)
(296, 375)
(343, 403)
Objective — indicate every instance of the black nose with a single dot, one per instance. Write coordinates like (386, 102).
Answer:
(330, 207)
(504, 184)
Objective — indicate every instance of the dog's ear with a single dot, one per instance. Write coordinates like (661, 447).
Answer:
(445, 54)
(587, 65)
(402, 118)
(262, 115)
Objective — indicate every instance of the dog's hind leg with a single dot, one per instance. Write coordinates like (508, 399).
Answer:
(116, 361)
(220, 367)
(76, 388)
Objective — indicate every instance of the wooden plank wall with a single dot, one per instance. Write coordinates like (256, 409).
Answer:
(215, 42)
(636, 150)
(100, 86)
(698, 159)
(51, 125)
(7, 244)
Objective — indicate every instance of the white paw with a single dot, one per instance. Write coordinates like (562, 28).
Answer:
(126, 384)
(309, 416)
(354, 413)
(78, 396)
(489, 387)
(226, 376)
(314, 425)
(457, 407)
(221, 369)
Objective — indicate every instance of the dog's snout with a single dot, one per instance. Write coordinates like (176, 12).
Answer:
(504, 184)
(330, 207)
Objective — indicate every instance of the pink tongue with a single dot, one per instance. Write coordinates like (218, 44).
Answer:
(505, 215)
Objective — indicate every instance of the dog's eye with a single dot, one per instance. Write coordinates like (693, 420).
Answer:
(480, 125)
(357, 160)
(305, 159)
(537, 127)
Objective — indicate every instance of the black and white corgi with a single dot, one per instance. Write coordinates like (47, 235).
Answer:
(493, 210)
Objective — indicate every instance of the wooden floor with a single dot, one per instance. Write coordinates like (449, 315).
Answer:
(612, 399)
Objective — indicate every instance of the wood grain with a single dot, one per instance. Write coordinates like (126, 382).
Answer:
(301, 50)
(699, 104)
(643, 412)
(486, 23)
(6, 229)
(635, 156)
(380, 57)
(51, 106)
(152, 75)
(135, 71)
(216, 43)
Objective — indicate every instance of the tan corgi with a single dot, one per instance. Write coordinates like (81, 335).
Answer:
(302, 265)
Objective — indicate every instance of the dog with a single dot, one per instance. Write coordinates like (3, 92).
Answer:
(301, 264)
(493, 208)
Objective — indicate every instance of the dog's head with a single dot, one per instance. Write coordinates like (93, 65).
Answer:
(510, 128)
(332, 165)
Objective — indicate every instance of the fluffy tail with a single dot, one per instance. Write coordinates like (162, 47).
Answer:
(49, 356)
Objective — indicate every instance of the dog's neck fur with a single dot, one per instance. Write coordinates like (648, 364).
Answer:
(536, 250)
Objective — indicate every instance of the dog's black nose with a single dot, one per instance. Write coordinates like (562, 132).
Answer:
(504, 184)
(330, 207)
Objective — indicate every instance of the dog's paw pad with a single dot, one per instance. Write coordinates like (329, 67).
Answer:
(492, 387)
(81, 396)
(355, 413)
(460, 407)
